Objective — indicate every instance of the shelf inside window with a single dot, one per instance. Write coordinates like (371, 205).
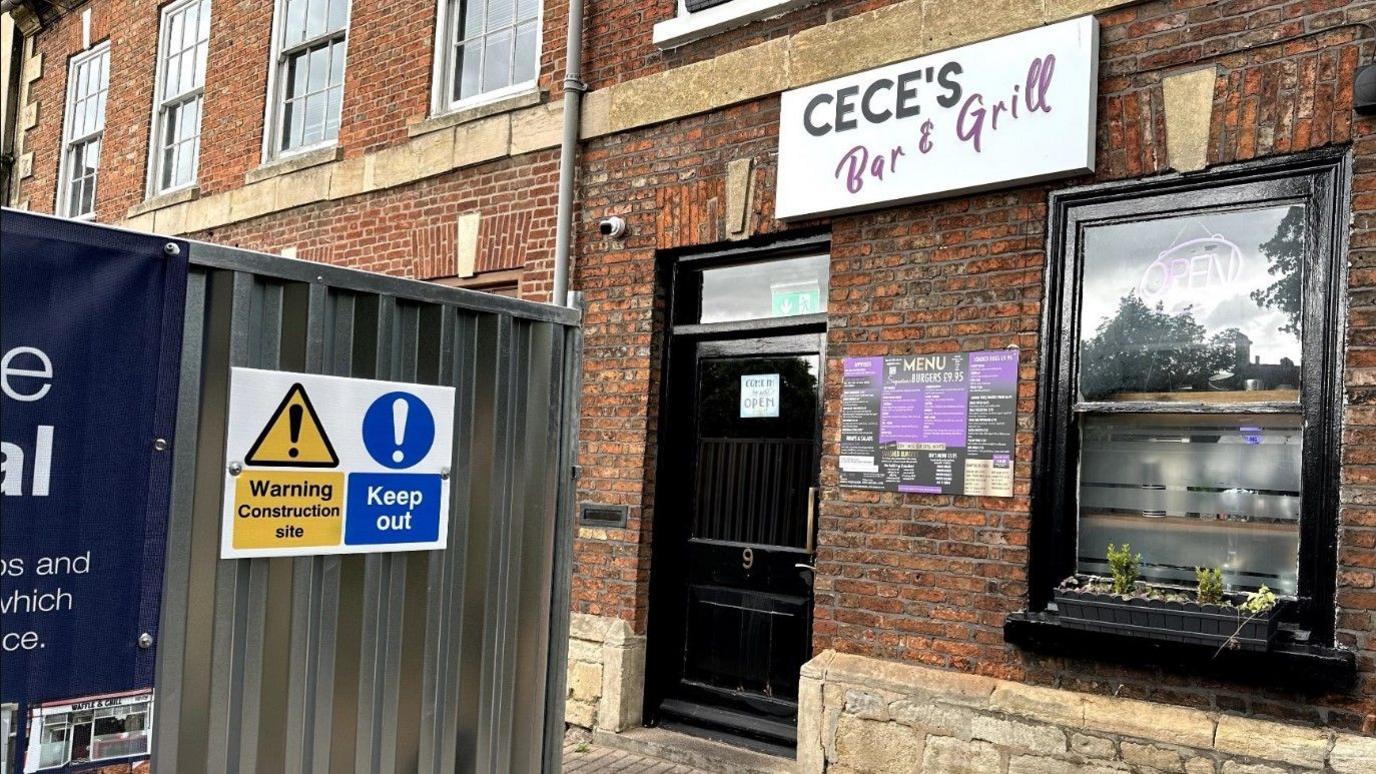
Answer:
(1228, 397)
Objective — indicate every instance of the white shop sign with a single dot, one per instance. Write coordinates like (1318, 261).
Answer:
(1003, 112)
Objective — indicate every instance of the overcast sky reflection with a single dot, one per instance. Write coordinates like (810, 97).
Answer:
(1206, 264)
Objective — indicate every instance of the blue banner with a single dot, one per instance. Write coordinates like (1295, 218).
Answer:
(90, 343)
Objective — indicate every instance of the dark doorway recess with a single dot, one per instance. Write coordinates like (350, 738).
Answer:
(731, 579)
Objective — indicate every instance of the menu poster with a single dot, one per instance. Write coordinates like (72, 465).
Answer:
(930, 424)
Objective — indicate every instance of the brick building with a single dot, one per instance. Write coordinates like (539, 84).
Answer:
(389, 148)
(860, 395)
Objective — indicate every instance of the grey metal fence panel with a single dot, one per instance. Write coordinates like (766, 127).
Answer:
(421, 661)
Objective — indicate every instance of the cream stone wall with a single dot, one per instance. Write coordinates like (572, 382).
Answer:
(285, 185)
(1189, 104)
(859, 714)
(606, 680)
(889, 34)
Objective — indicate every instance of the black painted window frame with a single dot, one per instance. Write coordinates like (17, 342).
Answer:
(1320, 180)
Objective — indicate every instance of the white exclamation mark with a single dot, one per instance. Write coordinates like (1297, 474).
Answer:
(399, 409)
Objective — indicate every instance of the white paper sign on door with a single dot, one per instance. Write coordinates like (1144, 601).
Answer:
(759, 395)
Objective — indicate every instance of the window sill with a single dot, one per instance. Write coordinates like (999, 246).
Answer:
(179, 196)
(1289, 663)
(689, 27)
(473, 112)
(489, 281)
(289, 164)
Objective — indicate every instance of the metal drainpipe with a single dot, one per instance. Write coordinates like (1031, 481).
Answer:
(568, 150)
(9, 133)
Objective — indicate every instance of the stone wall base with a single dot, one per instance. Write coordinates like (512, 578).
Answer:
(606, 685)
(860, 714)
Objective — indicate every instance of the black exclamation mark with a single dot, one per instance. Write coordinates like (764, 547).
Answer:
(294, 418)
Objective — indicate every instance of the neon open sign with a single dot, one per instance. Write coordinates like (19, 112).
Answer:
(1198, 264)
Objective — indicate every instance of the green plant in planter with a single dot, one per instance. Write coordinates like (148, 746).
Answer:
(1126, 568)
(1210, 591)
(1257, 603)
(1260, 601)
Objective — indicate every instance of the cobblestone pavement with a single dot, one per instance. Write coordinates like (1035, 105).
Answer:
(594, 760)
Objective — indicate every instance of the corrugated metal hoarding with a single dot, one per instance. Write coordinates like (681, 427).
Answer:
(429, 661)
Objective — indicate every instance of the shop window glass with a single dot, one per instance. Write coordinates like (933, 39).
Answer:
(120, 732)
(1189, 395)
(52, 742)
(1187, 491)
(764, 289)
(1202, 307)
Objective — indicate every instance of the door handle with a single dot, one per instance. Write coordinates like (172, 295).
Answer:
(810, 542)
(804, 566)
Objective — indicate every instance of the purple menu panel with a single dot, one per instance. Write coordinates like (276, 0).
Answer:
(930, 424)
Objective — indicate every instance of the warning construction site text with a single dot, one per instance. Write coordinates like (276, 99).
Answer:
(288, 508)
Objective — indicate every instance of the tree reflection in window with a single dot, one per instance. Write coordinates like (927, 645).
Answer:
(1216, 316)
(1284, 251)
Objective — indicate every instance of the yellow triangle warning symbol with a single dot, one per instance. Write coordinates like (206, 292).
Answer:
(293, 437)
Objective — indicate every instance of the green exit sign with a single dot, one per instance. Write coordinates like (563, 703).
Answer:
(795, 298)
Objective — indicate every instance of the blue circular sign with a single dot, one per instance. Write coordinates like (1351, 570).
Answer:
(398, 430)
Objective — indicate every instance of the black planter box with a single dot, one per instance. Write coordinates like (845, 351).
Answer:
(1157, 619)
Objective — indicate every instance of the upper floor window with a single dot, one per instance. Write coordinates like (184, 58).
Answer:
(88, 79)
(698, 19)
(183, 43)
(491, 48)
(310, 43)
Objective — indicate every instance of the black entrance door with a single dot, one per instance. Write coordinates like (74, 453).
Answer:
(732, 614)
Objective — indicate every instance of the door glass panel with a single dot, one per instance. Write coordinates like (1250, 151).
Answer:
(763, 289)
(1203, 307)
(755, 460)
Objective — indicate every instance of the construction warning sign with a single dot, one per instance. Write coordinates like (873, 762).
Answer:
(293, 437)
(330, 465)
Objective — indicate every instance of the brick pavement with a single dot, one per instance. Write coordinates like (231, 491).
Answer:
(585, 758)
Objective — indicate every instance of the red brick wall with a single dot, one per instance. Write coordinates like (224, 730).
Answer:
(930, 579)
(409, 230)
(236, 85)
(622, 44)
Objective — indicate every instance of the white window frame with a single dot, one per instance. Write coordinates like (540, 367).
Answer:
(277, 64)
(161, 105)
(142, 708)
(66, 725)
(441, 78)
(687, 27)
(64, 172)
(9, 735)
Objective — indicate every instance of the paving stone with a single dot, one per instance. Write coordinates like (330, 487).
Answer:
(606, 759)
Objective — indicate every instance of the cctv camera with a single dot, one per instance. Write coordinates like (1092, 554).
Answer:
(613, 227)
